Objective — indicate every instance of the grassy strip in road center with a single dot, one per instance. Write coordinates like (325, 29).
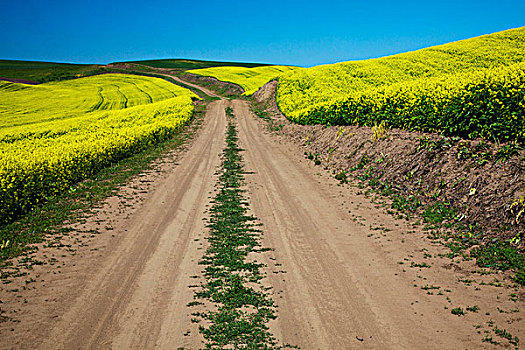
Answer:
(242, 306)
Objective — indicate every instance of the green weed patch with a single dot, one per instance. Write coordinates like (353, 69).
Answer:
(242, 307)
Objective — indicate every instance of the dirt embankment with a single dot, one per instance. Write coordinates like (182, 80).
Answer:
(473, 176)
(222, 87)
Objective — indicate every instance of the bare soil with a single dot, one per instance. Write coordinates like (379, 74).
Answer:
(346, 273)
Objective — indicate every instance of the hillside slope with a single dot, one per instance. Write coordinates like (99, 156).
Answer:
(405, 85)
(41, 72)
(250, 79)
(186, 64)
(55, 134)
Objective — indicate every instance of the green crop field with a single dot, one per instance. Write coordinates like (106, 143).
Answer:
(42, 72)
(192, 64)
(471, 88)
(55, 134)
(250, 79)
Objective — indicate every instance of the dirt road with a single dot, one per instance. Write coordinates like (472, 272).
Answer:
(354, 275)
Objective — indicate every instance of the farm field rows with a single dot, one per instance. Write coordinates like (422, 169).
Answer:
(42, 72)
(53, 135)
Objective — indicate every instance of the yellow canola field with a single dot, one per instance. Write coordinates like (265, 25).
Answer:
(303, 95)
(55, 134)
(250, 79)
(489, 104)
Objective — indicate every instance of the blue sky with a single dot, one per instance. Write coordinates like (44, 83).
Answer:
(302, 33)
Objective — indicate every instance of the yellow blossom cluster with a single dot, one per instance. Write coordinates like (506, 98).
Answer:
(470, 88)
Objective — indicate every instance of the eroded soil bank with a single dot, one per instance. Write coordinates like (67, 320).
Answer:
(480, 179)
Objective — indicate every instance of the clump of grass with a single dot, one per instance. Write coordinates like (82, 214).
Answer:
(229, 112)
(342, 177)
(474, 308)
(503, 333)
(457, 311)
(501, 256)
(488, 339)
(380, 131)
(438, 212)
